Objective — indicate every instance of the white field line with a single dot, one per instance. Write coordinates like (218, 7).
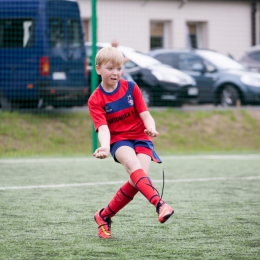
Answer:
(176, 157)
(248, 178)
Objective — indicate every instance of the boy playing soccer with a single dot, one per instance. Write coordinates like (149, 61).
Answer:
(125, 129)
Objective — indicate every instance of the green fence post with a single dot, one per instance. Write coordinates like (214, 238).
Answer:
(94, 77)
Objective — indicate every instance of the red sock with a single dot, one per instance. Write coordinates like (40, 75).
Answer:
(122, 197)
(145, 186)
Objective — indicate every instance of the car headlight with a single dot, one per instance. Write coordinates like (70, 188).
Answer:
(190, 80)
(251, 81)
(166, 77)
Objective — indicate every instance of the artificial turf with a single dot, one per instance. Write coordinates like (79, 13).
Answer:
(47, 207)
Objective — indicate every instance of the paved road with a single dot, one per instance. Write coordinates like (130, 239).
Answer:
(213, 107)
(205, 107)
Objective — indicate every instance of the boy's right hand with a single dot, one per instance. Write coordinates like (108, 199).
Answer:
(102, 152)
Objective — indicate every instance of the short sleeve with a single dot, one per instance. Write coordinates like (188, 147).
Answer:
(140, 105)
(97, 113)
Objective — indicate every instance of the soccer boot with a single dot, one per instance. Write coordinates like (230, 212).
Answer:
(164, 211)
(104, 225)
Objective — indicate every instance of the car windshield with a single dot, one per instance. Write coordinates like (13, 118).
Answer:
(220, 60)
(141, 59)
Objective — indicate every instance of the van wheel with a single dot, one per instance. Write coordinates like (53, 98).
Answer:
(6, 105)
(229, 96)
(147, 96)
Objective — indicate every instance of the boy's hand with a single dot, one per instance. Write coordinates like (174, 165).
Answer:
(102, 152)
(151, 132)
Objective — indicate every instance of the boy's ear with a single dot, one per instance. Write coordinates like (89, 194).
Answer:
(98, 70)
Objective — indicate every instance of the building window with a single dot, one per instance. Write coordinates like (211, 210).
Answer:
(86, 30)
(197, 35)
(160, 34)
(156, 35)
(192, 35)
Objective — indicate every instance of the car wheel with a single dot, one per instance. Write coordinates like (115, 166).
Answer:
(229, 96)
(147, 96)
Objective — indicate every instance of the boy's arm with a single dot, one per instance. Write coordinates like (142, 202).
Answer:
(149, 124)
(104, 140)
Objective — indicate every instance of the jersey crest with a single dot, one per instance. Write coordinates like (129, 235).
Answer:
(130, 100)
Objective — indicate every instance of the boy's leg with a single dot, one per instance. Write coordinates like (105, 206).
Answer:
(122, 197)
(127, 157)
(164, 211)
(134, 166)
(103, 217)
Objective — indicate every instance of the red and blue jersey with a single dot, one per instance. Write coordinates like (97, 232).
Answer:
(119, 110)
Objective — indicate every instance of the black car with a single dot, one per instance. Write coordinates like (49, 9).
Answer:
(220, 79)
(251, 58)
(160, 84)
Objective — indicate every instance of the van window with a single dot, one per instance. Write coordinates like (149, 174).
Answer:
(16, 33)
(57, 38)
(75, 34)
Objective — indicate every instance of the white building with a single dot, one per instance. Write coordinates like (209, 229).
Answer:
(226, 26)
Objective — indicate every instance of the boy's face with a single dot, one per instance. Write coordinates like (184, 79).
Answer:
(110, 74)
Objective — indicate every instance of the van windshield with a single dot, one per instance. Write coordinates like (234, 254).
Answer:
(75, 34)
(57, 36)
(16, 33)
(57, 33)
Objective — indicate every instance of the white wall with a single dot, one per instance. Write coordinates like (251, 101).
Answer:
(128, 21)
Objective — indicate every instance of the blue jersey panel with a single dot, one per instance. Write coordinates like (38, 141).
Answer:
(123, 103)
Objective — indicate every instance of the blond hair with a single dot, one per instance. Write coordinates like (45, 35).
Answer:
(111, 54)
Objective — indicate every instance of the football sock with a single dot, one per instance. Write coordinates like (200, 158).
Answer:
(145, 186)
(122, 197)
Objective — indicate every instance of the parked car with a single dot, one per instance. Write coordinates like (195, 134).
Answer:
(220, 79)
(160, 84)
(42, 54)
(251, 58)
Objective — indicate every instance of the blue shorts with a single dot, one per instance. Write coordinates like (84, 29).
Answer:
(140, 146)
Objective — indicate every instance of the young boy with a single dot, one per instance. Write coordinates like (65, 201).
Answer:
(125, 129)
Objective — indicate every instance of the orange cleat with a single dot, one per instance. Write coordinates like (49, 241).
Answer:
(104, 225)
(164, 211)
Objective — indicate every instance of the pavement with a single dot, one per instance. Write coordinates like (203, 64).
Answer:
(186, 107)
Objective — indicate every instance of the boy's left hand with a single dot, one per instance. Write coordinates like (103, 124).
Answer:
(101, 152)
(151, 132)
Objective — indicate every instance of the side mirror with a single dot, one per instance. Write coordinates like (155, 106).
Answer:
(198, 67)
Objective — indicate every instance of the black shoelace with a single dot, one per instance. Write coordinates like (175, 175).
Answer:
(157, 190)
(163, 184)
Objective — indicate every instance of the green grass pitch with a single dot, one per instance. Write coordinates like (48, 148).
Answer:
(47, 207)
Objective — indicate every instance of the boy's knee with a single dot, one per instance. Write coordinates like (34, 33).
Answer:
(132, 165)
